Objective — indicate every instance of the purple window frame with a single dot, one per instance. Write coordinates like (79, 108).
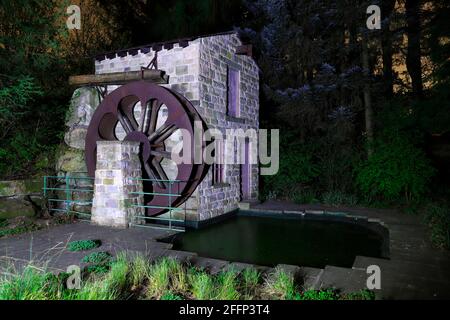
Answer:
(233, 86)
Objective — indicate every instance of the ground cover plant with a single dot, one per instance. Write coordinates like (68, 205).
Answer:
(82, 245)
(165, 279)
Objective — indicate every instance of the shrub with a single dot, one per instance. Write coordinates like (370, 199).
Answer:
(396, 169)
(304, 196)
(296, 171)
(338, 198)
(82, 245)
(437, 216)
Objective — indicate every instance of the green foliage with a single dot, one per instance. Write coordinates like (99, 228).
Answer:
(437, 217)
(97, 268)
(99, 257)
(202, 285)
(226, 285)
(169, 295)
(317, 295)
(82, 245)
(296, 170)
(251, 277)
(159, 276)
(338, 198)
(280, 285)
(160, 279)
(361, 295)
(31, 73)
(140, 269)
(396, 170)
(24, 226)
(305, 196)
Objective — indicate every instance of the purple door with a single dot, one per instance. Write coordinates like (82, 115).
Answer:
(245, 174)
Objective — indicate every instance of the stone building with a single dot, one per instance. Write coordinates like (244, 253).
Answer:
(219, 77)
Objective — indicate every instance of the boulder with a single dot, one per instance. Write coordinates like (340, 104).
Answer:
(75, 137)
(71, 160)
(11, 188)
(11, 207)
(83, 103)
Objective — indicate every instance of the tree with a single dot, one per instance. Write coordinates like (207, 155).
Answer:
(413, 57)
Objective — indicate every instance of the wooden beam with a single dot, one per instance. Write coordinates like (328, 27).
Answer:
(155, 76)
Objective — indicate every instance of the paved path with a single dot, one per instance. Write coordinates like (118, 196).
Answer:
(415, 270)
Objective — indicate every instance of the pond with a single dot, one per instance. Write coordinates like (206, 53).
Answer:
(269, 241)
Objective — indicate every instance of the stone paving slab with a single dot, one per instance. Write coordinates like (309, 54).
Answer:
(48, 246)
(345, 279)
(240, 266)
(311, 277)
(214, 266)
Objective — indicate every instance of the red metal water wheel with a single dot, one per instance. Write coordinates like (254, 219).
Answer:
(119, 107)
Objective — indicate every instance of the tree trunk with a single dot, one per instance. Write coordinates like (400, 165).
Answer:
(367, 99)
(413, 63)
(386, 45)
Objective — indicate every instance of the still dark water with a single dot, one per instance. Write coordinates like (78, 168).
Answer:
(270, 241)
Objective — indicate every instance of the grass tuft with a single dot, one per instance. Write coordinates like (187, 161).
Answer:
(279, 285)
(202, 284)
(226, 286)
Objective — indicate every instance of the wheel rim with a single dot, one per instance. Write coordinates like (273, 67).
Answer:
(118, 107)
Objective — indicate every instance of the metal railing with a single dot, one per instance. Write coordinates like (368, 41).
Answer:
(67, 185)
(65, 202)
(169, 223)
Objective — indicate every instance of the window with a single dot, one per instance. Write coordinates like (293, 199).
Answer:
(218, 168)
(233, 85)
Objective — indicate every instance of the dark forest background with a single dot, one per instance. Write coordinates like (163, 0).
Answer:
(364, 115)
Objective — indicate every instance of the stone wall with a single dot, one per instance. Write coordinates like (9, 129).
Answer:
(216, 55)
(116, 178)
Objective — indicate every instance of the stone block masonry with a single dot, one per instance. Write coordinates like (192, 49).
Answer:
(198, 70)
(116, 178)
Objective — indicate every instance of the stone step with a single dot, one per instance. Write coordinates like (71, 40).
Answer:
(213, 266)
(310, 277)
(240, 266)
(344, 279)
(181, 256)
